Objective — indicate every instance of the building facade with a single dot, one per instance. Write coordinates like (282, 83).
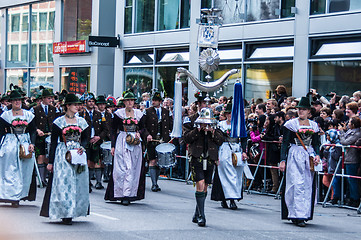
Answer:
(300, 44)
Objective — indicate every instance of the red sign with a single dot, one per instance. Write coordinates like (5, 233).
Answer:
(80, 46)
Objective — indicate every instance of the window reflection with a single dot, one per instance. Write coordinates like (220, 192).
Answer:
(272, 52)
(173, 56)
(232, 10)
(262, 79)
(75, 79)
(144, 16)
(139, 57)
(77, 19)
(139, 80)
(262, 9)
(17, 77)
(341, 77)
(165, 81)
(41, 77)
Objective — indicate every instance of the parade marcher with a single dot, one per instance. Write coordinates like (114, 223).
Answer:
(127, 181)
(67, 193)
(107, 123)
(17, 161)
(203, 143)
(298, 194)
(45, 114)
(97, 132)
(22, 93)
(156, 126)
(227, 182)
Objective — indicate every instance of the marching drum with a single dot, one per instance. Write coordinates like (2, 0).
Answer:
(106, 151)
(166, 155)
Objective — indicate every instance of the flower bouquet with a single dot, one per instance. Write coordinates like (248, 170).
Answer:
(72, 133)
(130, 124)
(19, 125)
(306, 136)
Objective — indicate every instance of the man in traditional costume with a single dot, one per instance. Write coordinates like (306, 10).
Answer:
(299, 153)
(156, 126)
(203, 143)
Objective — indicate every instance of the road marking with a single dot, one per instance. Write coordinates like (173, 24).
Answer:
(105, 216)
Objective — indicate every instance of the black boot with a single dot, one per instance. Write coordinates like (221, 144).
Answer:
(224, 204)
(201, 197)
(98, 175)
(233, 205)
(67, 221)
(42, 172)
(196, 215)
(106, 173)
(153, 177)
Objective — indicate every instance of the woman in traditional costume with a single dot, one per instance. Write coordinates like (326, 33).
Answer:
(298, 194)
(227, 182)
(17, 132)
(67, 193)
(127, 182)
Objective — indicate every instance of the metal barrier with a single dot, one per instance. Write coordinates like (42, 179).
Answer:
(340, 163)
(264, 166)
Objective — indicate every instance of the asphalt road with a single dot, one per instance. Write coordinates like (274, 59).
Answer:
(167, 215)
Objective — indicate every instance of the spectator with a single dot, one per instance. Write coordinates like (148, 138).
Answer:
(270, 104)
(260, 109)
(325, 113)
(281, 94)
(351, 109)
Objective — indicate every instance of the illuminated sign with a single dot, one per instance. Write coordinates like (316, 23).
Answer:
(80, 46)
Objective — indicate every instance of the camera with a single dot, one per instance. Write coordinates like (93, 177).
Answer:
(330, 94)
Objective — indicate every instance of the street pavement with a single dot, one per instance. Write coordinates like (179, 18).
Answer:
(167, 215)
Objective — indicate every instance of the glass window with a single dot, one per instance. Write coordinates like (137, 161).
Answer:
(230, 54)
(42, 52)
(341, 77)
(138, 79)
(339, 49)
(262, 9)
(318, 6)
(262, 79)
(170, 56)
(25, 22)
(17, 36)
(338, 5)
(185, 13)
(206, 3)
(51, 20)
(272, 52)
(43, 36)
(24, 53)
(41, 77)
(15, 22)
(50, 52)
(144, 16)
(168, 14)
(144, 57)
(165, 81)
(17, 77)
(34, 22)
(77, 19)
(128, 16)
(286, 8)
(75, 79)
(232, 10)
(43, 20)
(355, 5)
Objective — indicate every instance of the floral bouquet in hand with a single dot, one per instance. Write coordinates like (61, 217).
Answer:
(130, 121)
(306, 135)
(71, 133)
(19, 125)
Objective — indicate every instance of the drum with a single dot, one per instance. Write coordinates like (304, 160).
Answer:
(107, 156)
(166, 155)
(47, 146)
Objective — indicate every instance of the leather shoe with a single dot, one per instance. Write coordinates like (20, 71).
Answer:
(67, 221)
(98, 185)
(233, 205)
(154, 188)
(224, 204)
(201, 222)
(15, 204)
(334, 201)
(158, 188)
(195, 218)
(301, 223)
(125, 202)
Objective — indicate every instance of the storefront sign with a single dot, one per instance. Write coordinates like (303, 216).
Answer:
(76, 83)
(98, 41)
(80, 46)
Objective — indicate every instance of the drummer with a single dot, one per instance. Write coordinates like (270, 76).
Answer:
(45, 114)
(156, 125)
(106, 120)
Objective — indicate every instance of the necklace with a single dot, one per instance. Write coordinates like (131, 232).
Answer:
(70, 117)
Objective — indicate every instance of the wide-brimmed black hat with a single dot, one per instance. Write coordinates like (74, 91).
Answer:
(110, 103)
(71, 98)
(47, 93)
(14, 95)
(101, 99)
(200, 96)
(157, 97)
(129, 95)
(304, 103)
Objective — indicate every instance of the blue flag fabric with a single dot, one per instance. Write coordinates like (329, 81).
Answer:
(238, 122)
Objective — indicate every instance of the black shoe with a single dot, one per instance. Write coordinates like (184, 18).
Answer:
(233, 205)
(201, 221)
(334, 201)
(154, 188)
(301, 223)
(195, 218)
(93, 178)
(224, 204)
(15, 204)
(353, 203)
(158, 188)
(90, 184)
(67, 221)
(98, 185)
(125, 202)
(90, 189)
